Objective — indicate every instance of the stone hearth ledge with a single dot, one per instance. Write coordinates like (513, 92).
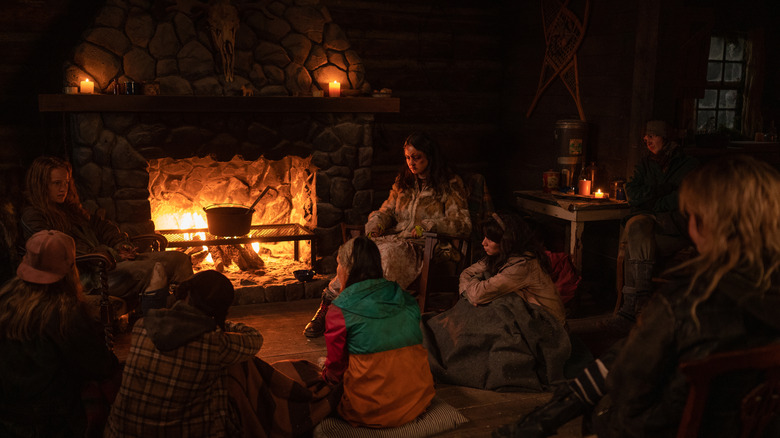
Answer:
(291, 290)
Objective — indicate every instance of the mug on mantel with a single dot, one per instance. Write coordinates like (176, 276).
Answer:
(132, 88)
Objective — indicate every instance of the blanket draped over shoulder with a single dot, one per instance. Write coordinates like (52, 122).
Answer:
(506, 345)
(286, 399)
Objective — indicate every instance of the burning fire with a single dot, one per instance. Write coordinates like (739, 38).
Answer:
(181, 189)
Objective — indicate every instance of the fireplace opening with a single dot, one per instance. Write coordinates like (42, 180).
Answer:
(280, 240)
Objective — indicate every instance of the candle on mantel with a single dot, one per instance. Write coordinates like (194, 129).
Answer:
(334, 89)
(599, 194)
(87, 87)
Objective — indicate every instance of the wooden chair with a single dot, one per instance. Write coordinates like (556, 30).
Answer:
(103, 265)
(757, 408)
(421, 284)
(443, 288)
(445, 294)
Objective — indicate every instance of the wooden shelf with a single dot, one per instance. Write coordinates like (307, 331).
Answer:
(215, 104)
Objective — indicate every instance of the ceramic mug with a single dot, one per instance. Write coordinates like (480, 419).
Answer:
(550, 181)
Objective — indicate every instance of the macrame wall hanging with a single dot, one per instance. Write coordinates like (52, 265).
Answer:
(563, 34)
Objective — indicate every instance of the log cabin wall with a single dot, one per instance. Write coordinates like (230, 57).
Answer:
(444, 59)
(466, 70)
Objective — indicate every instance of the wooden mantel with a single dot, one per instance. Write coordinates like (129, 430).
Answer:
(234, 104)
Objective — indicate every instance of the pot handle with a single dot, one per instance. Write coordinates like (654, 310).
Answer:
(265, 190)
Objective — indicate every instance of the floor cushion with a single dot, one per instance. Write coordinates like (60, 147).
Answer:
(439, 417)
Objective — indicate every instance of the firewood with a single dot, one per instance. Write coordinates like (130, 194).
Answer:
(219, 258)
(254, 260)
(231, 255)
(197, 257)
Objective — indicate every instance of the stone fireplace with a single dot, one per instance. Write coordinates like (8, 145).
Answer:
(282, 50)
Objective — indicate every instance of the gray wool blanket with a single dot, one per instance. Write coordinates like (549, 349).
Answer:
(507, 345)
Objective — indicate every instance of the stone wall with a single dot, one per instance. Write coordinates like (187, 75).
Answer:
(111, 153)
(282, 48)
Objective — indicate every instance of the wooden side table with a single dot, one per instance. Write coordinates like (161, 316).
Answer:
(575, 209)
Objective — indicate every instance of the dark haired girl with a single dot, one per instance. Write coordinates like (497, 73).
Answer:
(507, 331)
(375, 344)
(426, 196)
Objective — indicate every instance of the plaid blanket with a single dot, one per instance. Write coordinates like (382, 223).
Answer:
(286, 399)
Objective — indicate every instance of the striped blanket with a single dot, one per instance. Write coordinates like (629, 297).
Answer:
(286, 399)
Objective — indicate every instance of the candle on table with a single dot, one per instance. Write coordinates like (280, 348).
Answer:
(334, 89)
(584, 187)
(599, 194)
(87, 87)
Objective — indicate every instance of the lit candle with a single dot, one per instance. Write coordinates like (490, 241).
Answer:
(87, 87)
(334, 89)
(599, 194)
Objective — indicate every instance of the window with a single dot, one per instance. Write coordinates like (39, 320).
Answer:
(721, 106)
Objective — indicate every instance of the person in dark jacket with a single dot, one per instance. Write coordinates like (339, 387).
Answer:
(53, 203)
(49, 343)
(727, 297)
(655, 230)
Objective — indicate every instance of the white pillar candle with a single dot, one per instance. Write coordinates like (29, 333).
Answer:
(334, 89)
(87, 87)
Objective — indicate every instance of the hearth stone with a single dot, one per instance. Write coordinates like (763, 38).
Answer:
(284, 290)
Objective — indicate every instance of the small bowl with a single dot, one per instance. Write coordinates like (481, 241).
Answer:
(303, 275)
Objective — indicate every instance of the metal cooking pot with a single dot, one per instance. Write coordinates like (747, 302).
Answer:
(228, 219)
(232, 219)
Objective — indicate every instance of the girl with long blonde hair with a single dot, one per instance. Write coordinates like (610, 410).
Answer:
(53, 204)
(733, 208)
(39, 185)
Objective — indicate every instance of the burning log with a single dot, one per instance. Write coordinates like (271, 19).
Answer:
(250, 256)
(219, 258)
(242, 256)
(197, 255)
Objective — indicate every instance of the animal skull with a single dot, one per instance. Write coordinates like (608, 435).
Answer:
(223, 22)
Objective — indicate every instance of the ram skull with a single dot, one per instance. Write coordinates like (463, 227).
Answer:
(223, 23)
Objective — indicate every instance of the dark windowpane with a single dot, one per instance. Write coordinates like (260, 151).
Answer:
(735, 49)
(710, 99)
(705, 121)
(728, 99)
(714, 71)
(732, 72)
(726, 119)
(716, 48)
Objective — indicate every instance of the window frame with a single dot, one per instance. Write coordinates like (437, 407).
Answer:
(721, 85)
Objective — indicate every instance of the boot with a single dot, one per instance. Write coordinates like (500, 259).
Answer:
(316, 327)
(621, 323)
(545, 420)
(643, 272)
(627, 309)
(640, 274)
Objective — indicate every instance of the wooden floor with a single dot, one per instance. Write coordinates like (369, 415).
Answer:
(282, 324)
